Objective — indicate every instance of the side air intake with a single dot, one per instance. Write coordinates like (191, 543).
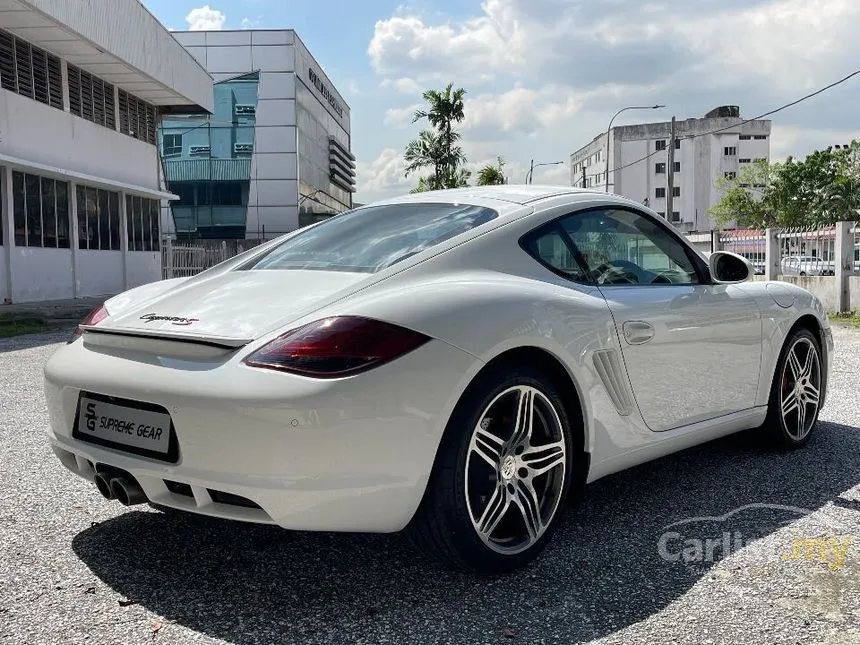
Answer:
(609, 368)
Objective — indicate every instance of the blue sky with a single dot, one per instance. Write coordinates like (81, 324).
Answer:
(544, 76)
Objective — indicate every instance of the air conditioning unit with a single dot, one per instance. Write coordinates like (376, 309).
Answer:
(247, 110)
(243, 148)
(200, 151)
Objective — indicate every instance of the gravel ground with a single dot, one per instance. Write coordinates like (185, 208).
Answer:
(75, 568)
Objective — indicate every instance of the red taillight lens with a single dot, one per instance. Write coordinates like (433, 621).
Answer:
(95, 316)
(334, 347)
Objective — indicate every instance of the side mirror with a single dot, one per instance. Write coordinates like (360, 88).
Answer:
(728, 268)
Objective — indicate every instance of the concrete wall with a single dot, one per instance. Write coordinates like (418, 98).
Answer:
(37, 132)
(133, 35)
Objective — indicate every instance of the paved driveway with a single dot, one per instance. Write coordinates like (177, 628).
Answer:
(774, 556)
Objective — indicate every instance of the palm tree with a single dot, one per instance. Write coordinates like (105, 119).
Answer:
(445, 109)
(491, 175)
(425, 152)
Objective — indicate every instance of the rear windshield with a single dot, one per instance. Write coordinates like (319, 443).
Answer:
(369, 239)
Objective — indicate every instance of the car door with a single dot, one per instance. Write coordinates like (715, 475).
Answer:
(692, 349)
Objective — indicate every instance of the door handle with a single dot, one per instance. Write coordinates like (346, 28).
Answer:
(637, 332)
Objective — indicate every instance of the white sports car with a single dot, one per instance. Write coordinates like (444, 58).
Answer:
(454, 363)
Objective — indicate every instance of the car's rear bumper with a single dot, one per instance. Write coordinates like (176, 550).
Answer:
(345, 455)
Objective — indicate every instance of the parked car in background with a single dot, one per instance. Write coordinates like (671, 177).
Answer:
(806, 265)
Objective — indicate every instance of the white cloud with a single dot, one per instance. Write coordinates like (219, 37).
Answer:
(247, 23)
(399, 117)
(205, 19)
(383, 177)
(544, 76)
(403, 85)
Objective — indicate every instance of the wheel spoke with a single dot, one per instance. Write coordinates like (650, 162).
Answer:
(801, 419)
(808, 363)
(541, 459)
(794, 364)
(811, 393)
(789, 404)
(487, 446)
(525, 417)
(527, 501)
(495, 510)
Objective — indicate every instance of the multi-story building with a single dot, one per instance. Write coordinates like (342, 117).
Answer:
(705, 149)
(82, 87)
(274, 155)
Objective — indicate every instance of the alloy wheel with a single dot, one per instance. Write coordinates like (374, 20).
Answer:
(800, 392)
(515, 469)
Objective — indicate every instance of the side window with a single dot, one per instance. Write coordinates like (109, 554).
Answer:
(622, 248)
(551, 248)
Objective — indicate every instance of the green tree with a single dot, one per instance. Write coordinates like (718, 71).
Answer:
(439, 148)
(745, 197)
(820, 189)
(492, 175)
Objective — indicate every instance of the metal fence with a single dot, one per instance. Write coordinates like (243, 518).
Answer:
(802, 252)
(748, 243)
(185, 259)
(805, 252)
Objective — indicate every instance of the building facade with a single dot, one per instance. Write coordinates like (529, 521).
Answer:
(82, 87)
(276, 152)
(705, 149)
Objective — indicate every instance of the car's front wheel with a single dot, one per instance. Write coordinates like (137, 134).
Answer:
(797, 390)
(502, 475)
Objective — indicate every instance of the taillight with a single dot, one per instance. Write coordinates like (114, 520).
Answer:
(335, 347)
(95, 316)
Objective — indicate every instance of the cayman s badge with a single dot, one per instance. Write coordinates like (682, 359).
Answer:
(176, 320)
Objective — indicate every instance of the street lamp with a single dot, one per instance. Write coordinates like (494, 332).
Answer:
(536, 165)
(609, 129)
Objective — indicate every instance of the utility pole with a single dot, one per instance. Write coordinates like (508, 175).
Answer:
(531, 171)
(670, 173)
(583, 175)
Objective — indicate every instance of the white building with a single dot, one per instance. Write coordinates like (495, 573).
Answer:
(275, 155)
(82, 87)
(705, 149)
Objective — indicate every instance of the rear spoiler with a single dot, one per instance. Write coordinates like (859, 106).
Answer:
(213, 341)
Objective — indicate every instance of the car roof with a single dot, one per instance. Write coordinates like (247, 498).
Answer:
(521, 194)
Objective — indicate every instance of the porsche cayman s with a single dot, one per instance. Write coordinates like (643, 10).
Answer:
(456, 364)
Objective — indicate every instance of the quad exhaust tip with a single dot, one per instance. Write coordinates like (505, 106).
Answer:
(122, 488)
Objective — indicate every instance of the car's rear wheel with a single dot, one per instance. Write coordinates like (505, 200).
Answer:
(797, 390)
(502, 475)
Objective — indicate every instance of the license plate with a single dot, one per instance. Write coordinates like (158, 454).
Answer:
(134, 427)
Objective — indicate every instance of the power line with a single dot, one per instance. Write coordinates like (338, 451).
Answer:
(743, 121)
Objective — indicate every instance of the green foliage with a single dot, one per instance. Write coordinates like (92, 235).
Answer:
(438, 149)
(492, 175)
(819, 190)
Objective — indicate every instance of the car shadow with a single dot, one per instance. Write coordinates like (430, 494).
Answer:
(601, 572)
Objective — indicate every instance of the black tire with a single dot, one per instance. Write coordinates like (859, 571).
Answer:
(443, 526)
(778, 431)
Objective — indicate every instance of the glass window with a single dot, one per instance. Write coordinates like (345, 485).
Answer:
(40, 211)
(98, 219)
(553, 249)
(34, 210)
(622, 248)
(370, 239)
(19, 207)
(49, 213)
(30, 71)
(63, 215)
(171, 144)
